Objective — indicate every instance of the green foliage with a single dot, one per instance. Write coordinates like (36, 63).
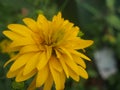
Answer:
(18, 86)
(114, 21)
(110, 4)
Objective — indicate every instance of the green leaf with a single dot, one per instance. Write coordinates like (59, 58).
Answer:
(114, 21)
(89, 8)
(80, 34)
(110, 4)
(17, 85)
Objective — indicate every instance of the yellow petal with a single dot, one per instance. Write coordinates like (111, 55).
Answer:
(62, 78)
(48, 83)
(77, 43)
(71, 64)
(82, 72)
(59, 82)
(20, 61)
(79, 61)
(44, 30)
(67, 26)
(20, 77)
(74, 52)
(20, 29)
(57, 17)
(31, 64)
(56, 64)
(85, 57)
(29, 48)
(12, 35)
(11, 74)
(42, 23)
(58, 53)
(48, 51)
(61, 59)
(12, 59)
(71, 31)
(22, 42)
(14, 49)
(74, 31)
(42, 76)
(44, 57)
(41, 18)
(42, 60)
(67, 53)
(80, 43)
(31, 24)
(73, 75)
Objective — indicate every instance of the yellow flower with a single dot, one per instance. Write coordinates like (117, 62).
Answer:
(47, 51)
(4, 46)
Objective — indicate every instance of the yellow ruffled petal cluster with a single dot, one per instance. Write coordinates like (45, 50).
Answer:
(47, 51)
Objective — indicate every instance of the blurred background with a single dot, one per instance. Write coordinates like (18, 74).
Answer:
(99, 20)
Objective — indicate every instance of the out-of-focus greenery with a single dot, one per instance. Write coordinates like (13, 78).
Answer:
(98, 19)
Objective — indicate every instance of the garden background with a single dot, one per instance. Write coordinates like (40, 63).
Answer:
(99, 20)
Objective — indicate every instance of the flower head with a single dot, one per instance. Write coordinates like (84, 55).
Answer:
(47, 51)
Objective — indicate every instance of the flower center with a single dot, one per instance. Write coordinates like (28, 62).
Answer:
(57, 38)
